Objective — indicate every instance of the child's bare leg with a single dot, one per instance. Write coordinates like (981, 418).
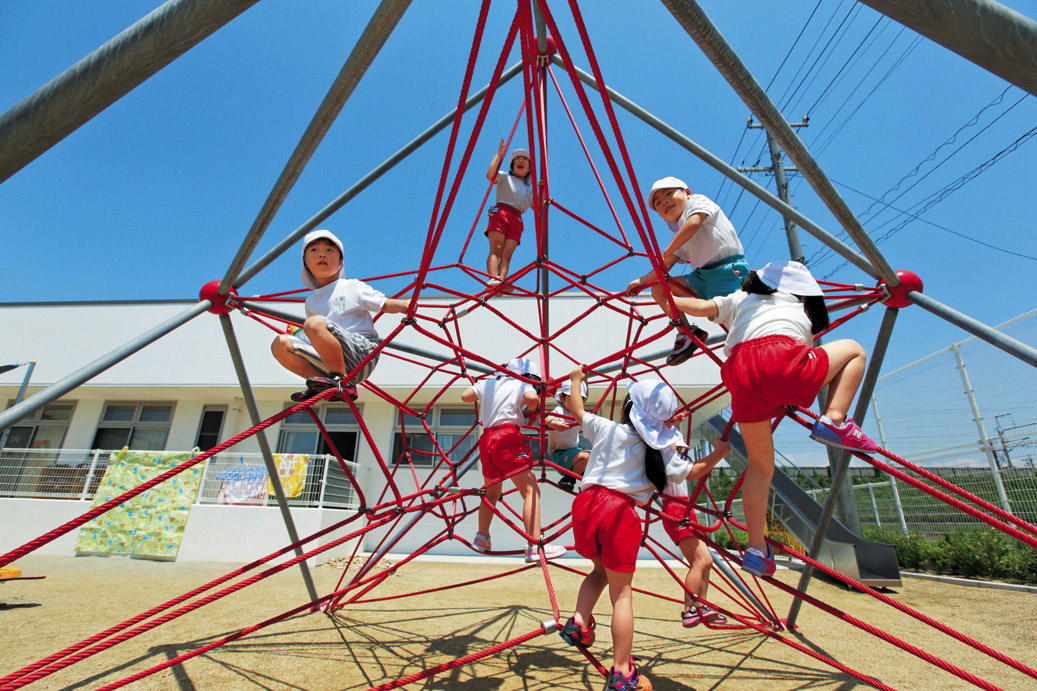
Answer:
(325, 343)
(697, 580)
(678, 289)
(505, 258)
(485, 512)
(622, 619)
(530, 491)
(590, 590)
(846, 363)
(496, 239)
(580, 462)
(760, 446)
(285, 354)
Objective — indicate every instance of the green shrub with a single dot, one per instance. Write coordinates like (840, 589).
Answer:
(971, 554)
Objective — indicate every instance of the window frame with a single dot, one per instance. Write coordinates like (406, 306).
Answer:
(201, 420)
(136, 423)
(434, 417)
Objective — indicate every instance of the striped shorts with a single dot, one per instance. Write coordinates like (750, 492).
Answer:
(355, 347)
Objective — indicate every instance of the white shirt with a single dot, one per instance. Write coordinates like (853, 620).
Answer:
(349, 303)
(569, 439)
(677, 470)
(514, 191)
(500, 401)
(750, 315)
(617, 458)
(715, 238)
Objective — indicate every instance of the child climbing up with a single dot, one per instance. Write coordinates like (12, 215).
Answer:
(514, 196)
(338, 333)
(563, 439)
(705, 239)
(771, 325)
(502, 449)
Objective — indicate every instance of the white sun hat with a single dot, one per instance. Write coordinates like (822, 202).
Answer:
(567, 389)
(654, 402)
(667, 183)
(307, 278)
(789, 277)
(515, 154)
(522, 366)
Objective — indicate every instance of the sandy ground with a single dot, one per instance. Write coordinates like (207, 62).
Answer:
(368, 644)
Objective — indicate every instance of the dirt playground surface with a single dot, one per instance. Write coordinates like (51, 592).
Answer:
(369, 644)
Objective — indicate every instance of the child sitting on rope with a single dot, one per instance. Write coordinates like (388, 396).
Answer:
(514, 196)
(772, 322)
(503, 449)
(563, 439)
(338, 333)
(624, 456)
(705, 239)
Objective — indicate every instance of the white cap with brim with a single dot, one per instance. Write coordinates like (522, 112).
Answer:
(667, 183)
(307, 278)
(789, 277)
(521, 366)
(567, 389)
(654, 402)
(515, 154)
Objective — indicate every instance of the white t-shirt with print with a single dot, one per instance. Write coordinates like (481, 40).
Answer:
(569, 439)
(751, 315)
(715, 239)
(617, 458)
(514, 191)
(500, 401)
(349, 303)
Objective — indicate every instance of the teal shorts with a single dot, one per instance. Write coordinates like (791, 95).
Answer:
(565, 457)
(721, 277)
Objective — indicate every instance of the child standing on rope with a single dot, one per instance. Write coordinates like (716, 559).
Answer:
(338, 333)
(514, 196)
(771, 325)
(607, 529)
(503, 449)
(563, 439)
(705, 239)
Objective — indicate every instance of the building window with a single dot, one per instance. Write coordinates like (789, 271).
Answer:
(300, 435)
(210, 426)
(449, 426)
(137, 426)
(31, 446)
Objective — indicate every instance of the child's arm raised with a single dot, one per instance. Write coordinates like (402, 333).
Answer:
(395, 306)
(637, 284)
(491, 172)
(696, 307)
(706, 464)
(469, 395)
(577, 377)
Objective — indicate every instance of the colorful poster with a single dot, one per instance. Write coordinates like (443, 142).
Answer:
(291, 468)
(151, 524)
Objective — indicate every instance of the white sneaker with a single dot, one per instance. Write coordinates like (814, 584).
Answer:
(550, 551)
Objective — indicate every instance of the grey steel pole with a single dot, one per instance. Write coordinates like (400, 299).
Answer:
(892, 480)
(19, 396)
(989, 34)
(60, 388)
(863, 399)
(846, 252)
(367, 46)
(712, 43)
(1013, 347)
(363, 182)
(60, 106)
(264, 447)
(795, 247)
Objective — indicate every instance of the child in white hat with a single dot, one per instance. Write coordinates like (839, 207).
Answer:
(514, 196)
(504, 402)
(703, 238)
(771, 364)
(563, 437)
(338, 333)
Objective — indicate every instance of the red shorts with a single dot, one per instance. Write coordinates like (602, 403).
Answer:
(766, 374)
(502, 449)
(606, 525)
(507, 220)
(678, 532)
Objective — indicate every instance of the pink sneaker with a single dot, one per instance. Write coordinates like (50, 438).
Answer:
(849, 436)
(481, 543)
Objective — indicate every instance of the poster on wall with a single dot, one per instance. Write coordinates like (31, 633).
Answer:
(150, 525)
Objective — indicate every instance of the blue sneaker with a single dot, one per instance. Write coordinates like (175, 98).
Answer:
(635, 682)
(757, 564)
(849, 436)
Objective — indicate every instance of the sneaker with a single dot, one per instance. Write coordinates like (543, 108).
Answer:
(481, 543)
(348, 389)
(691, 618)
(711, 616)
(757, 564)
(635, 682)
(567, 483)
(849, 436)
(573, 634)
(305, 395)
(550, 551)
(684, 347)
(325, 382)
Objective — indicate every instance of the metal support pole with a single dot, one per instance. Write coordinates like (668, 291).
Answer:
(84, 495)
(841, 470)
(60, 388)
(19, 396)
(712, 43)
(365, 181)
(795, 247)
(892, 480)
(874, 506)
(367, 46)
(264, 447)
(984, 440)
(989, 34)
(1018, 349)
(720, 165)
(60, 106)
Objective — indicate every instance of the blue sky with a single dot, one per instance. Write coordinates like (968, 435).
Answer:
(150, 199)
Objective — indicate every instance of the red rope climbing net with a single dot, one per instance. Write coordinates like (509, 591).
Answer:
(434, 472)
